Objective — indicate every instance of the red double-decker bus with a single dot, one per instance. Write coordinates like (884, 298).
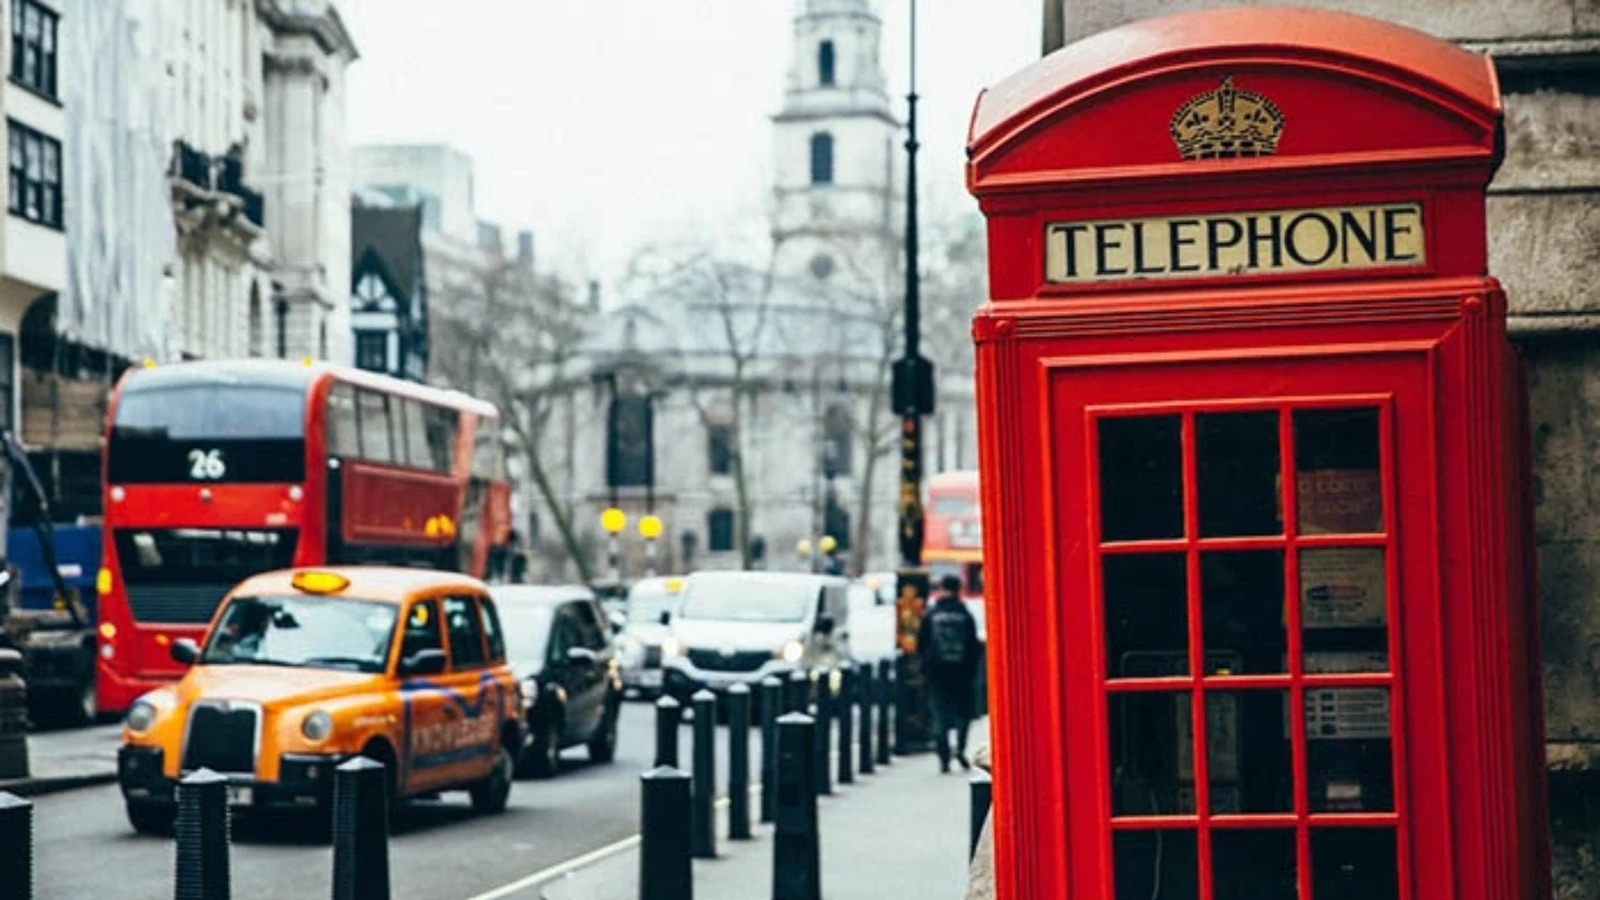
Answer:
(217, 470)
(953, 531)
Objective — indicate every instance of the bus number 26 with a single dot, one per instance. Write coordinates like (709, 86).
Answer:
(206, 465)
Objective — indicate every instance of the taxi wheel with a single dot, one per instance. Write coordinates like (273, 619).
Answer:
(152, 818)
(492, 793)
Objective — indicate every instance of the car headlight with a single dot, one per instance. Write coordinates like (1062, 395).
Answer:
(142, 716)
(671, 647)
(791, 652)
(530, 693)
(317, 726)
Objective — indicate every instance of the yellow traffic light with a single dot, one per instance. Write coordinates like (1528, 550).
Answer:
(827, 544)
(613, 520)
(803, 547)
(650, 527)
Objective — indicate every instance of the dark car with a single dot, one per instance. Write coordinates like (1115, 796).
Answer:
(560, 647)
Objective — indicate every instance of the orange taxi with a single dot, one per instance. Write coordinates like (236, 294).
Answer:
(304, 669)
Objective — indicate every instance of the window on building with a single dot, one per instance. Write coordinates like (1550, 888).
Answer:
(35, 189)
(630, 457)
(372, 351)
(720, 440)
(837, 431)
(822, 158)
(719, 528)
(33, 47)
(372, 294)
(825, 64)
(257, 326)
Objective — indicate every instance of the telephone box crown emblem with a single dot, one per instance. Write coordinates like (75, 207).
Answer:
(1227, 123)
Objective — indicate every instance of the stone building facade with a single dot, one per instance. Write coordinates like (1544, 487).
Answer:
(1544, 245)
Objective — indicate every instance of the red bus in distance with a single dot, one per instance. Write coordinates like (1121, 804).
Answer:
(217, 470)
(953, 532)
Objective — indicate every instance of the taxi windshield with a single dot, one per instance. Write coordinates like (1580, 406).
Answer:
(303, 632)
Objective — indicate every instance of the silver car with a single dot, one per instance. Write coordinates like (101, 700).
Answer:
(649, 608)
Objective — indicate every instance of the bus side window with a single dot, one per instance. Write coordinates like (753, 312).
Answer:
(376, 442)
(443, 426)
(344, 431)
(418, 452)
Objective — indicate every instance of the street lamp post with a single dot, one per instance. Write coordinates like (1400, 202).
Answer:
(913, 399)
(613, 520)
(649, 529)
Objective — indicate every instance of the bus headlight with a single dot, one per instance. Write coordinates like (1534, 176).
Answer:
(142, 716)
(792, 652)
(317, 726)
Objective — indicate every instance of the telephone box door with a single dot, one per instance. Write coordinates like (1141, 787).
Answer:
(1241, 633)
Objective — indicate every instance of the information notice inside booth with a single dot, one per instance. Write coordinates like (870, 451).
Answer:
(1254, 471)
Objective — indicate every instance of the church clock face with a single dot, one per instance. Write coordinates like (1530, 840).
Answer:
(821, 265)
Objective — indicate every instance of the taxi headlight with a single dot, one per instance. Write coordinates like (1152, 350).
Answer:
(791, 652)
(317, 726)
(530, 693)
(141, 716)
(671, 647)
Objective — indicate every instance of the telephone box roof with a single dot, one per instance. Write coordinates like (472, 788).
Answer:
(1270, 32)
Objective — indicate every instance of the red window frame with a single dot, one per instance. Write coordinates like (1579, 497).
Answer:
(1295, 681)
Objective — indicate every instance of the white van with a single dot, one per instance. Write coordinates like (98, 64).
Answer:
(733, 627)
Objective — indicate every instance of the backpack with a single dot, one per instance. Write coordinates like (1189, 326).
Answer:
(947, 637)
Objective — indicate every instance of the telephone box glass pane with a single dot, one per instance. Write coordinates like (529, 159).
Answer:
(1349, 762)
(1147, 615)
(1344, 609)
(1156, 864)
(1141, 478)
(1354, 864)
(1253, 865)
(1338, 485)
(1152, 754)
(1238, 472)
(1241, 598)
(1249, 758)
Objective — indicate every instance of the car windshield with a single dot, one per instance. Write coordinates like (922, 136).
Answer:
(748, 599)
(527, 630)
(646, 607)
(304, 632)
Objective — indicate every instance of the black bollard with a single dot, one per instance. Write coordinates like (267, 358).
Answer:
(982, 796)
(866, 697)
(669, 714)
(361, 830)
(16, 847)
(799, 691)
(885, 704)
(739, 762)
(771, 702)
(665, 868)
(203, 837)
(844, 710)
(824, 731)
(796, 854)
(702, 812)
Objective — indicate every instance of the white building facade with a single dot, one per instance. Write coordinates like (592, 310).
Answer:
(32, 243)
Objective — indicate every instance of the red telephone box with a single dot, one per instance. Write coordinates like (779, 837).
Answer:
(1255, 471)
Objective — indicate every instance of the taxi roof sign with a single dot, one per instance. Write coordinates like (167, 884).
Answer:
(319, 582)
(674, 585)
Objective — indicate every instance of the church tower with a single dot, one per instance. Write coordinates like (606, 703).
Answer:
(835, 221)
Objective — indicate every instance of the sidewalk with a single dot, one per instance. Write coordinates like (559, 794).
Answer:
(68, 759)
(899, 832)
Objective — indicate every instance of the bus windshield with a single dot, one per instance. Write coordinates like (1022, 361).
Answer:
(207, 431)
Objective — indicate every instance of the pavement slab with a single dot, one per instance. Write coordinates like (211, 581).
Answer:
(68, 759)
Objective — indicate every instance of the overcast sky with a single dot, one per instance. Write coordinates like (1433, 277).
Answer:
(606, 124)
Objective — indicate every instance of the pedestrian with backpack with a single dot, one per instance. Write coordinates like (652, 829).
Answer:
(947, 646)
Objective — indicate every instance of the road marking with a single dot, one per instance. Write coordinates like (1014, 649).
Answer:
(576, 863)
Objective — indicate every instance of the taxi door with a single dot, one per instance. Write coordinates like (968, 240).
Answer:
(423, 703)
(474, 698)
